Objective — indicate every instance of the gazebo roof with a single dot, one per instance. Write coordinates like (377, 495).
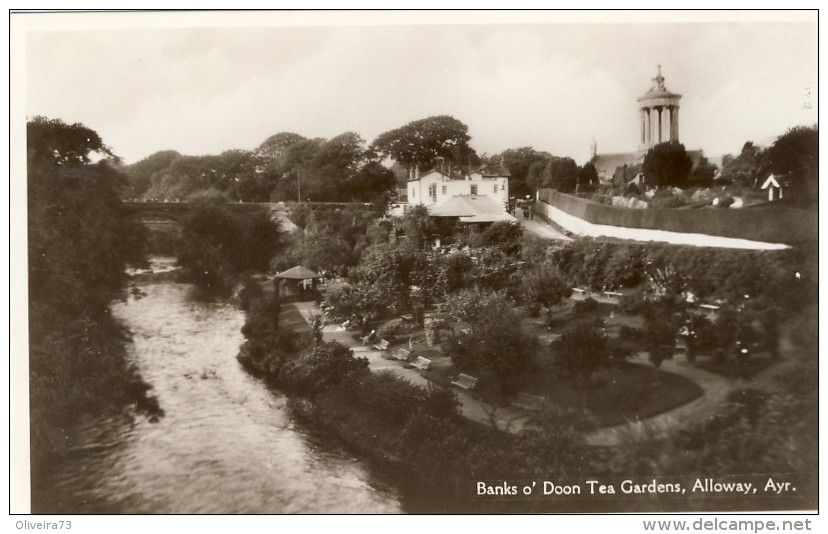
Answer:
(298, 273)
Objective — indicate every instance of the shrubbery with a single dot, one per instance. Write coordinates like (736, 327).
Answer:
(218, 243)
(786, 277)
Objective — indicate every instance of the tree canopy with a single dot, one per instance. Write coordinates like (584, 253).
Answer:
(423, 142)
(667, 164)
(744, 169)
(216, 242)
(519, 161)
(794, 157)
(557, 173)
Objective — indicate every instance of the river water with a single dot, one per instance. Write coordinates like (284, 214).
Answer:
(226, 444)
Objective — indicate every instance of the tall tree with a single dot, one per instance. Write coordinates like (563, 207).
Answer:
(744, 169)
(519, 161)
(703, 173)
(794, 157)
(557, 173)
(422, 142)
(587, 178)
(217, 243)
(582, 349)
(140, 174)
(80, 237)
(667, 164)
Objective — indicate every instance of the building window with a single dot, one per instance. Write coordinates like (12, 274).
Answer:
(444, 190)
(495, 188)
(474, 189)
(503, 186)
(432, 191)
(413, 193)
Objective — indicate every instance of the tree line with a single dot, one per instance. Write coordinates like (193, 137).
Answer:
(80, 242)
(290, 167)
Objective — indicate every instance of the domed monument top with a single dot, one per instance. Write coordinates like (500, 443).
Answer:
(659, 113)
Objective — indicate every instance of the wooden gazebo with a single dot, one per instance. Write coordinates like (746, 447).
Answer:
(305, 281)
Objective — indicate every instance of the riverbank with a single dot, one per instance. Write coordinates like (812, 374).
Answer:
(226, 444)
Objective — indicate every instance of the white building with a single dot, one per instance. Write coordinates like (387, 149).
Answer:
(436, 187)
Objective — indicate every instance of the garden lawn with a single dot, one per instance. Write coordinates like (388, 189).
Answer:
(617, 395)
(731, 368)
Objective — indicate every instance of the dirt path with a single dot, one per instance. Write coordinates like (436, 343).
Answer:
(540, 228)
(716, 389)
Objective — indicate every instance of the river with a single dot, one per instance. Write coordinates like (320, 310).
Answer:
(226, 444)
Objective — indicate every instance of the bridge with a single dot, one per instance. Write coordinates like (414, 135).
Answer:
(176, 210)
(172, 212)
(165, 216)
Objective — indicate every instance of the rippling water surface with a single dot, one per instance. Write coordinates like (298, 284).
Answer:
(226, 443)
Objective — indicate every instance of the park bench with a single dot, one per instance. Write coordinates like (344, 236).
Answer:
(421, 363)
(613, 294)
(382, 345)
(527, 401)
(402, 354)
(465, 381)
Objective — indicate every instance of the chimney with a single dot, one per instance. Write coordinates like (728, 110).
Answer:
(417, 172)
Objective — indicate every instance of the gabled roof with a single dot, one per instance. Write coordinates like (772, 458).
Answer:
(605, 164)
(471, 208)
(771, 182)
(298, 273)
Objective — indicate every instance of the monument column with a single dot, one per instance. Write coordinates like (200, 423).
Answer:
(646, 113)
(641, 124)
(674, 123)
(659, 108)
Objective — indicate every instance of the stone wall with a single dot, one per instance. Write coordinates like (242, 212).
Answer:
(736, 228)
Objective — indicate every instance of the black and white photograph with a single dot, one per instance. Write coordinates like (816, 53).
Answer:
(415, 262)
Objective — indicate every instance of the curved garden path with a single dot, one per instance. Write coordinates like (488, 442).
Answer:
(715, 388)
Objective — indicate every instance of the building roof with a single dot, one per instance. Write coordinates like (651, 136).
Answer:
(658, 91)
(471, 208)
(460, 172)
(605, 164)
(771, 182)
(298, 273)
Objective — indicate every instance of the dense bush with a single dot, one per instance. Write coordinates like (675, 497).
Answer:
(785, 277)
(218, 243)
(586, 306)
(582, 349)
(540, 285)
(326, 365)
(497, 343)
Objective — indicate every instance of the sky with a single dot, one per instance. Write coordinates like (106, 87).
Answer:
(515, 81)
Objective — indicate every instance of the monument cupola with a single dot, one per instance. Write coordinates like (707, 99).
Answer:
(659, 110)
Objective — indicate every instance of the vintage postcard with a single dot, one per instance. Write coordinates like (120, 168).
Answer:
(415, 262)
